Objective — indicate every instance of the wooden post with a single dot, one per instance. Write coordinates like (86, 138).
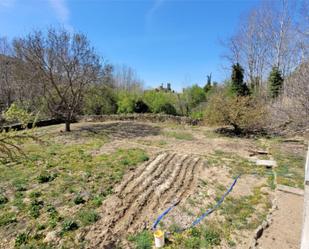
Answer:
(305, 231)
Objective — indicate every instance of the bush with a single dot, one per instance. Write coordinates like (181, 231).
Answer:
(167, 108)
(159, 101)
(126, 103)
(100, 100)
(141, 107)
(243, 113)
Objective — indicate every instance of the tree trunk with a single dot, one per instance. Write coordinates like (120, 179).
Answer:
(67, 125)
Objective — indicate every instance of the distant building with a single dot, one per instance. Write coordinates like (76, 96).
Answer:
(168, 88)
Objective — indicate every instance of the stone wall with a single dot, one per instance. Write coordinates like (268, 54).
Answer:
(149, 117)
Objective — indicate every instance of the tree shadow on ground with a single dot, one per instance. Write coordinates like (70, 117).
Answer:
(232, 133)
(121, 130)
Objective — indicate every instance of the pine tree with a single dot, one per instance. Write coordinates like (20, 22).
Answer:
(208, 85)
(275, 82)
(239, 87)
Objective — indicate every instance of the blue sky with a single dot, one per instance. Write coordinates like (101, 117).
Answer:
(175, 41)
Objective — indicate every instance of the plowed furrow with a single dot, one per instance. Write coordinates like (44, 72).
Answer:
(148, 199)
(164, 191)
(146, 187)
(142, 195)
(185, 186)
(140, 175)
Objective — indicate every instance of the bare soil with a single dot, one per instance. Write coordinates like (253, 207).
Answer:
(285, 229)
(153, 186)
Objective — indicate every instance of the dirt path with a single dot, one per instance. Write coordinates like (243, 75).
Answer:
(142, 195)
(285, 229)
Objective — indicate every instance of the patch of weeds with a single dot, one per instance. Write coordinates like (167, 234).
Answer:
(7, 218)
(35, 194)
(88, 217)
(271, 181)
(3, 199)
(40, 227)
(53, 216)
(69, 225)
(180, 135)
(79, 200)
(46, 177)
(20, 185)
(18, 201)
(192, 243)
(97, 201)
(35, 207)
(142, 240)
(290, 169)
(211, 237)
(21, 239)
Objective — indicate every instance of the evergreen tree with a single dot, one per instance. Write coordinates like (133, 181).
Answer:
(239, 87)
(275, 82)
(208, 86)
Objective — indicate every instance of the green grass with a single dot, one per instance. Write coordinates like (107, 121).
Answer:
(142, 240)
(179, 135)
(7, 218)
(88, 217)
(203, 236)
(56, 176)
(291, 166)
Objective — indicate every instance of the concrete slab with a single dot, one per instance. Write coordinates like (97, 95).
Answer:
(291, 190)
(266, 163)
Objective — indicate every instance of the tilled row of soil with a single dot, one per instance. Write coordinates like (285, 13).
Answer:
(142, 195)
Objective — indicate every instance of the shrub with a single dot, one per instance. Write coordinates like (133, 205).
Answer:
(167, 108)
(159, 101)
(126, 104)
(100, 100)
(141, 107)
(243, 113)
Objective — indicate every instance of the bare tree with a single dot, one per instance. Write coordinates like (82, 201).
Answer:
(291, 109)
(126, 79)
(266, 37)
(6, 74)
(63, 64)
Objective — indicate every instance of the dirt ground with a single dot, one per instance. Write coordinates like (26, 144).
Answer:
(285, 230)
(192, 165)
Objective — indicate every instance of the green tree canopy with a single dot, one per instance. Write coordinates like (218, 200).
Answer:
(275, 82)
(238, 86)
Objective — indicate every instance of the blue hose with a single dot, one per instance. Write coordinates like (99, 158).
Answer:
(209, 211)
(199, 219)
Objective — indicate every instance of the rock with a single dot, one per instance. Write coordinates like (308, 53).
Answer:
(51, 237)
(266, 163)
(258, 232)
